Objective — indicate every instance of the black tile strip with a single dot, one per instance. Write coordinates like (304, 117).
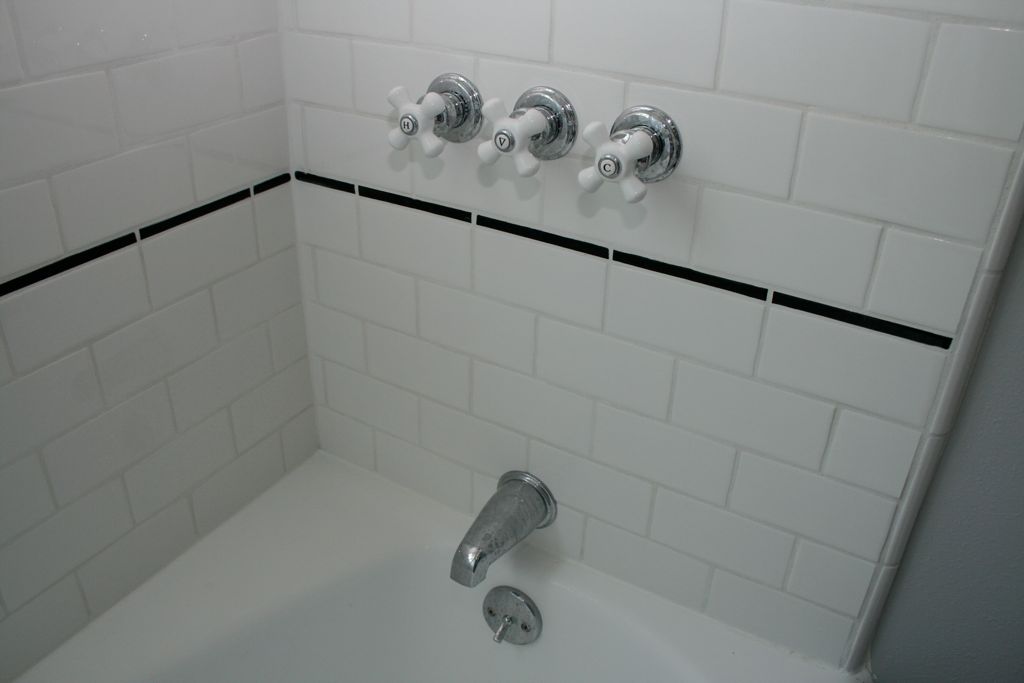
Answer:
(192, 214)
(861, 320)
(753, 291)
(418, 204)
(541, 236)
(67, 263)
(270, 184)
(329, 183)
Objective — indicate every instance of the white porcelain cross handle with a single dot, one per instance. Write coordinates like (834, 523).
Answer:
(416, 121)
(512, 137)
(615, 160)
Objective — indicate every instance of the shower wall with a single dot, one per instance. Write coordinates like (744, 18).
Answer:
(152, 350)
(735, 387)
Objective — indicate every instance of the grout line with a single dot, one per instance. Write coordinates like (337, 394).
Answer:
(926, 63)
(801, 135)
(721, 45)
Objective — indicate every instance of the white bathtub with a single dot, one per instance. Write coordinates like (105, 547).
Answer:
(336, 574)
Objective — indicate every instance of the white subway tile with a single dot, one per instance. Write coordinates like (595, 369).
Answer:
(808, 504)
(385, 407)
(378, 68)
(468, 25)
(816, 253)
(287, 337)
(378, 18)
(1000, 10)
(563, 538)
(41, 405)
(299, 438)
(424, 472)
(871, 452)
(751, 414)
(61, 122)
(296, 147)
(241, 480)
(353, 147)
(923, 280)
(5, 365)
(193, 255)
(240, 152)
(174, 469)
(256, 294)
(485, 328)
(596, 98)
(107, 197)
(615, 371)
(24, 497)
(779, 617)
(706, 323)
(29, 634)
(417, 242)
(458, 178)
(852, 61)
(316, 372)
(142, 352)
(215, 380)
(326, 218)
(335, 336)
(200, 21)
(597, 490)
(830, 578)
(551, 279)
(269, 406)
(346, 438)
(677, 577)
(532, 406)
(102, 447)
(419, 366)
(28, 227)
(377, 294)
(57, 35)
(879, 373)
(55, 547)
(972, 84)
(482, 446)
(10, 64)
(662, 225)
(187, 89)
(939, 184)
(136, 556)
(728, 140)
(656, 451)
(60, 314)
(719, 536)
(275, 220)
(262, 71)
(679, 41)
(317, 69)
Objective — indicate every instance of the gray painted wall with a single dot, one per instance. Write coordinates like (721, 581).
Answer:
(956, 611)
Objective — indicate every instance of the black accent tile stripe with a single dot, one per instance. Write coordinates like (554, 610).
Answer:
(270, 184)
(330, 183)
(67, 263)
(192, 214)
(861, 320)
(541, 236)
(753, 291)
(418, 204)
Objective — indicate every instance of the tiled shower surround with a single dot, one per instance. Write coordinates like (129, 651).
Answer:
(744, 380)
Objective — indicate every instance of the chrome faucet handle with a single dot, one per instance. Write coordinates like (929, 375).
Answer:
(643, 146)
(541, 127)
(451, 110)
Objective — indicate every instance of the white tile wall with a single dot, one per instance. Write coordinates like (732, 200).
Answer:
(237, 483)
(313, 64)
(852, 61)
(970, 84)
(418, 366)
(829, 577)
(465, 24)
(378, 18)
(871, 452)
(102, 110)
(378, 68)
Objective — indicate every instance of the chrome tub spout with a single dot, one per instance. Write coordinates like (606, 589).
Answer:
(521, 504)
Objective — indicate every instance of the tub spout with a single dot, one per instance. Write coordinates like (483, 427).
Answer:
(521, 504)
